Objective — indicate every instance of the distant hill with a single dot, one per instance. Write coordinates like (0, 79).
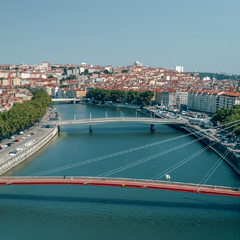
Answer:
(218, 76)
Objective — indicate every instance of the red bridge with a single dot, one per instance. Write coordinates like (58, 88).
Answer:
(121, 182)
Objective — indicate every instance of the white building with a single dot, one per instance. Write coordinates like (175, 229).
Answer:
(25, 75)
(210, 101)
(228, 99)
(54, 92)
(137, 64)
(45, 66)
(203, 101)
(178, 69)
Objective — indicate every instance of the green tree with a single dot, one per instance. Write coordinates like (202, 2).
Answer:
(228, 115)
(106, 71)
(117, 96)
(132, 96)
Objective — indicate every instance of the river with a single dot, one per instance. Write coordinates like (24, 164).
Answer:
(86, 212)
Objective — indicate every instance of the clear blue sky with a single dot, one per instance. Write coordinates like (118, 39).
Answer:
(201, 35)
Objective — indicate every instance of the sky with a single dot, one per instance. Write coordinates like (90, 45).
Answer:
(200, 35)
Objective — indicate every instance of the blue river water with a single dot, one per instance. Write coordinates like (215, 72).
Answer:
(86, 212)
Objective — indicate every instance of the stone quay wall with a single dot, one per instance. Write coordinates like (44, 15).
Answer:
(26, 153)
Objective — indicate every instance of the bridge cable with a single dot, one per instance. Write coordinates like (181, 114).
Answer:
(158, 176)
(216, 165)
(114, 154)
(212, 170)
(109, 155)
(185, 160)
(145, 159)
(149, 158)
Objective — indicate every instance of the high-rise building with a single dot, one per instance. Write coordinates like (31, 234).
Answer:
(178, 68)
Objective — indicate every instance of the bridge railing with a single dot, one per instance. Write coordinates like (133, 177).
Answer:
(130, 119)
(111, 178)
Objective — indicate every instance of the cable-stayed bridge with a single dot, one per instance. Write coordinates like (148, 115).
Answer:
(123, 182)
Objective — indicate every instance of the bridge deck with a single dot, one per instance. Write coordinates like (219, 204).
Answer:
(128, 183)
(94, 121)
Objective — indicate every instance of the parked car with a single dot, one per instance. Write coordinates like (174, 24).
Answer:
(17, 140)
(21, 132)
(12, 153)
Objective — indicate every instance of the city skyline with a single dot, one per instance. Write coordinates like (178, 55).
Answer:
(201, 37)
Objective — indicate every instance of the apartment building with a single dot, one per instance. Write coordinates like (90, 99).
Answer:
(76, 93)
(210, 101)
(171, 98)
(228, 99)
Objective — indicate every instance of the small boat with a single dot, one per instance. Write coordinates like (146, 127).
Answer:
(167, 177)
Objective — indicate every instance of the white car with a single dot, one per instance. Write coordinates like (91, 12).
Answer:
(19, 149)
(4, 146)
(12, 154)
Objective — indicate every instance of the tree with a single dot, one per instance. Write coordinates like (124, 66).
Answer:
(106, 71)
(64, 71)
(63, 86)
(228, 115)
(72, 76)
(132, 97)
(144, 98)
(117, 96)
(51, 76)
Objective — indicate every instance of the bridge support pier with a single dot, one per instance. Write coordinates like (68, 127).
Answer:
(59, 128)
(90, 128)
(152, 127)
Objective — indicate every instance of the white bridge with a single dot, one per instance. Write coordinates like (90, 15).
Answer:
(66, 99)
(94, 121)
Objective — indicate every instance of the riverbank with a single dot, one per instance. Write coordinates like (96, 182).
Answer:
(117, 105)
(31, 142)
(231, 158)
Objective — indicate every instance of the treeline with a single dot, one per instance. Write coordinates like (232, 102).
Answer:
(22, 115)
(228, 115)
(119, 96)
